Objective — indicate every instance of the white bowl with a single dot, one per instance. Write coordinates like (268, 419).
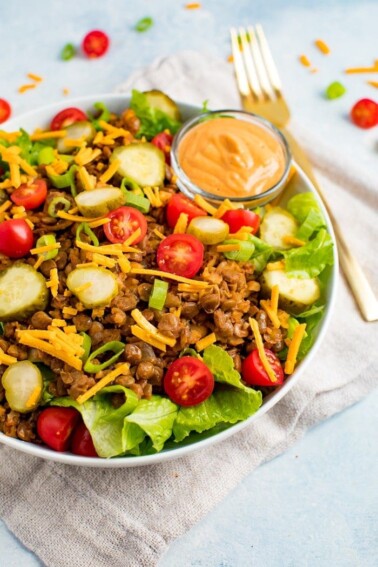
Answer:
(41, 118)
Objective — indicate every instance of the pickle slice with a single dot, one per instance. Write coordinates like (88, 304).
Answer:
(208, 230)
(81, 130)
(161, 101)
(277, 224)
(23, 291)
(143, 162)
(296, 294)
(94, 287)
(99, 202)
(23, 385)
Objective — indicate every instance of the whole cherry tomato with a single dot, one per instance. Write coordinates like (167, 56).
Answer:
(16, 238)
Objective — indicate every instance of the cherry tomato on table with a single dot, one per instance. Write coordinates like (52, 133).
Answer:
(95, 44)
(82, 443)
(123, 222)
(67, 117)
(30, 195)
(364, 113)
(254, 373)
(238, 218)
(163, 141)
(180, 254)
(180, 204)
(188, 381)
(5, 110)
(55, 426)
(16, 238)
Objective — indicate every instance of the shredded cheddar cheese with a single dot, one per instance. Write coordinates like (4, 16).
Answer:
(53, 283)
(181, 224)
(35, 339)
(98, 312)
(322, 46)
(70, 329)
(6, 359)
(23, 88)
(47, 248)
(77, 218)
(83, 287)
(227, 247)
(373, 69)
(38, 135)
(158, 233)
(107, 249)
(121, 369)
(34, 397)
(193, 6)
(112, 169)
(87, 181)
(124, 264)
(260, 347)
(373, 84)
(204, 205)
(132, 238)
(5, 206)
(147, 326)
(102, 260)
(292, 353)
(305, 61)
(39, 261)
(266, 305)
(86, 155)
(58, 323)
(34, 77)
(99, 222)
(275, 294)
(225, 206)
(148, 338)
(292, 241)
(167, 275)
(205, 342)
(188, 288)
(69, 311)
(279, 265)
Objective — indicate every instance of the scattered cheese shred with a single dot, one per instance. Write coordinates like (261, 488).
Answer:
(204, 205)
(107, 250)
(53, 283)
(373, 84)
(47, 248)
(86, 155)
(225, 206)
(69, 311)
(77, 218)
(322, 46)
(274, 297)
(239, 235)
(121, 369)
(147, 338)
(260, 347)
(266, 305)
(70, 329)
(6, 358)
(98, 312)
(188, 288)
(38, 135)
(58, 323)
(205, 342)
(99, 222)
(147, 326)
(102, 260)
(39, 261)
(112, 169)
(181, 224)
(373, 69)
(181, 279)
(305, 61)
(23, 88)
(34, 397)
(124, 264)
(83, 287)
(279, 265)
(5, 206)
(227, 247)
(132, 238)
(193, 6)
(151, 196)
(34, 77)
(292, 241)
(158, 233)
(292, 353)
(15, 174)
(86, 180)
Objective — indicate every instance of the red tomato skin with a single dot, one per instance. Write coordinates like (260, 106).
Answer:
(238, 218)
(193, 373)
(82, 443)
(55, 426)
(178, 204)
(254, 374)
(5, 110)
(67, 117)
(192, 252)
(95, 44)
(16, 238)
(163, 141)
(364, 113)
(135, 220)
(30, 196)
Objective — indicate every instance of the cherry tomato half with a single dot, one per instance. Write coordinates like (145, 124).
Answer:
(238, 218)
(364, 113)
(16, 238)
(82, 443)
(55, 427)
(180, 204)
(163, 141)
(5, 110)
(188, 381)
(180, 254)
(30, 195)
(95, 44)
(123, 222)
(66, 117)
(254, 373)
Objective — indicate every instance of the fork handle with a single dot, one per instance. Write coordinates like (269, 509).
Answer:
(356, 278)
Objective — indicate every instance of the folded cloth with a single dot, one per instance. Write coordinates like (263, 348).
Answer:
(126, 517)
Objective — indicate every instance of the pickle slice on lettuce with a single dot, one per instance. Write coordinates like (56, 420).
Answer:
(99, 202)
(161, 101)
(23, 291)
(142, 162)
(295, 294)
(277, 224)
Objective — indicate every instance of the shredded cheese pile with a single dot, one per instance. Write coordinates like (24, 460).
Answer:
(66, 347)
(150, 334)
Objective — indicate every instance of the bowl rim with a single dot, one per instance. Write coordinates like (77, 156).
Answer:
(270, 401)
(251, 117)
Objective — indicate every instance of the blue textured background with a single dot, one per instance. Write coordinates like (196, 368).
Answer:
(316, 505)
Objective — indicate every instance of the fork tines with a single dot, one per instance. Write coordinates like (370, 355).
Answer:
(256, 72)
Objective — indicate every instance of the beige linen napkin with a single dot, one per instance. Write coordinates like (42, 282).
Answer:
(76, 517)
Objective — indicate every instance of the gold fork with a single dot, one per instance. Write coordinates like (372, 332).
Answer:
(261, 93)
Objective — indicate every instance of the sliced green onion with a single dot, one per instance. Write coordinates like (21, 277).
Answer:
(65, 180)
(86, 345)
(68, 52)
(335, 90)
(84, 227)
(58, 204)
(158, 295)
(114, 346)
(46, 240)
(45, 156)
(245, 252)
(143, 24)
(140, 203)
(1, 328)
(128, 183)
(104, 115)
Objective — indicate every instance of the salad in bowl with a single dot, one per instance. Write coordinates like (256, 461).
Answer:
(134, 319)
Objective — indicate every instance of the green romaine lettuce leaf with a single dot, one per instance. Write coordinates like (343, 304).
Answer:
(305, 209)
(310, 260)
(152, 120)
(153, 418)
(104, 421)
(221, 365)
(261, 254)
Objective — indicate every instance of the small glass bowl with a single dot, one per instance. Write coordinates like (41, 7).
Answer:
(191, 189)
